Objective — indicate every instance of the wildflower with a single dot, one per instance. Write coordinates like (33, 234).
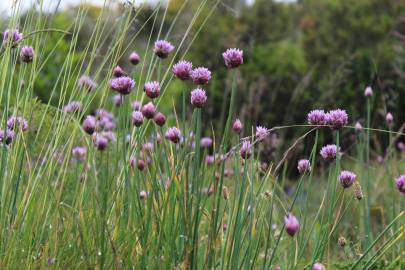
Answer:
(6, 136)
(347, 178)
(89, 124)
(357, 191)
(342, 241)
(12, 37)
(261, 133)
(18, 122)
(245, 150)
(329, 152)
(118, 72)
(206, 142)
(160, 119)
(109, 135)
(100, 142)
(210, 159)
(117, 100)
(318, 266)
(337, 118)
(137, 118)
(173, 134)
(143, 195)
(200, 75)
(316, 118)
(140, 164)
(304, 166)
(400, 183)
(152, 89)
(148, 110)
(233, 58)
(182, 70)
(368, 92)
(122, 85)
(358, 127)
(389, 119)
(79, 153)
(237, 126)
(147, 147)
(136, 105)
(87, 83)
(163, 48)
(73, 107)
(198, 97)
(27, 54)
(134, 58)
(291, 224)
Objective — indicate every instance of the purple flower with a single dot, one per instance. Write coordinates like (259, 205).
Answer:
(109, 135)
(337, 118)
(210, 159)
(304, 166)
(198, 97)
(109, 125)
(148, 147)
(347, 178)
(173, 134)
(143, 195)
(117, 100)
(12, 37)
(137, 118)
(152, 89)
(79, 153)
(163, 48)
(89, 124)
(329, 152)
(18, 122)
(134, 58)
(87, 83)
(6, 136)
(318, 266)
(389, 119)
(102, 113)
(233, 58)
(245, 150)
(73, 107)
(140, 164)
(27, 54)
(148, 110)
(100, 142)
(200, 75)
(400, 183)
(291, 224)
(261, 133)
(160, 119)
(122, 85)
(182, 70)
(368, 92)
(118, 72)
(237, 126)
(358, 127)
(316, 118)
(136, 105)
(206, 142)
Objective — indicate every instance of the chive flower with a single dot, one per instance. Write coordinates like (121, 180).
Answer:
(89, 124)
(198, 98)
(122, 85)
(16, 123)
(291, 224)
(237, 126)
(337, 118)
(148, 110)
(400, 183)
(316, 118)
(261, 133)
(347, 178)
(152, 89)
(233, 58)
(200, 75)
(160, 119)
(329, 152)
(27, 54)
(137, 118)
(163, 48)
(304, 166)
(245, 150)
(87, 83)
(173, 134)
(11, 38)
(182, 70)
(134, 58)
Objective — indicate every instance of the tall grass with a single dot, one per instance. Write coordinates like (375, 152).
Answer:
(103, 212)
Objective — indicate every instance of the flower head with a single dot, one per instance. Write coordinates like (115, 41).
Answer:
(137, 118)
(136, 105)
(6, 136)
(198, 97)
(163, 48)
(210, 159)
(134, 58)
(16, 123)
(206, 142)
(122, 85)
(27, 54)
(368, 92)
(316, 118)
(89, 124)
(329, 152)
(173, 134)
(261, 133)
(245, 149)
(400, 183)
(237, 126)
(100, 142)
(182, 70)
(233, 58)
(318, 266)
(117, 100)
(291, 224)
(200, 75)
(87, 83)
(358, 127)
(160, 119)
(143, 195)
(79, 153)
(118, 72)
(73, 107)
(149, 110)
(337, 118)
(12, 37)
(347, 178)
(389, 119)
(152, 89)
(304, 166)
